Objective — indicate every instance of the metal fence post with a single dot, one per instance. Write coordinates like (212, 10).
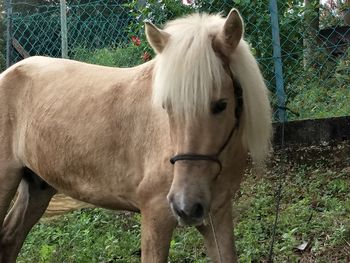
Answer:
(281, 95)
(64, 37)
(8, 32)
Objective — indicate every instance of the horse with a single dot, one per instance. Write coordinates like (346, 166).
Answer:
(169, 138)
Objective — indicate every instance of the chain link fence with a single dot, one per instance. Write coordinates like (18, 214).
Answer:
(302, 46)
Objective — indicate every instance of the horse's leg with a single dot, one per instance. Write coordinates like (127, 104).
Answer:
(157, 225)
(220, 246)
(10, 177)
(33, 198)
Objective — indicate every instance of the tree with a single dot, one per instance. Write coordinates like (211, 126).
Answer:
(312, 24)
(2, 36)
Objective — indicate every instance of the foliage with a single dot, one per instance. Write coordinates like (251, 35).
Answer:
(322, 91)
(91, 24)
(332, 13)
(2, 55)
(128, 56)
(321, 101)
(2, 38)
(135, 52)
(314, 209)
(2, 62)
(155, 11)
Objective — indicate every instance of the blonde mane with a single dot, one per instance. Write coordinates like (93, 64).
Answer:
(188, 69)
(188, 72)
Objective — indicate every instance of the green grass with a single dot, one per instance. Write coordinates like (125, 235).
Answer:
(315, 208)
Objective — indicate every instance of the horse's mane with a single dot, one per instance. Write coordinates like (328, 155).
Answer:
(188, 69)
(188, 73)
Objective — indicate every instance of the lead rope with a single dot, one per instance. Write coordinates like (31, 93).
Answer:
(278, 201)
(215, 238)
(278, 195)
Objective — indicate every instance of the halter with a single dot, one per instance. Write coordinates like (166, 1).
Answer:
(215, 157)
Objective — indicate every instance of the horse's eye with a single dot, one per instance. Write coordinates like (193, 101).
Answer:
(218, 106)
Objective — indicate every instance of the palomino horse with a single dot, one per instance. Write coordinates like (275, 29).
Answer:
(105, 135)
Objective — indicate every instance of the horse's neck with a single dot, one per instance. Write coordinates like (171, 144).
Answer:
(152, 133)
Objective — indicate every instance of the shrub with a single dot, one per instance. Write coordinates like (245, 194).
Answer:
(129, 55)
(323, 92)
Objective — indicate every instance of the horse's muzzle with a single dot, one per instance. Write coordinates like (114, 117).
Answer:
(189, 214)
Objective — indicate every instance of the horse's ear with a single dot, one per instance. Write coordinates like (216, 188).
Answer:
(231, 33)
(233, 29)
(156, 37)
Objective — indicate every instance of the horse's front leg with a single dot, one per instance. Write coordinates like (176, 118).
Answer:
(157, 225)
(218, 235)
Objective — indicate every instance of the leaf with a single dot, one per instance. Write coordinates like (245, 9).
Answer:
(302, 247)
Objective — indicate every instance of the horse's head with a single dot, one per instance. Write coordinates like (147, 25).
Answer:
(200, 72)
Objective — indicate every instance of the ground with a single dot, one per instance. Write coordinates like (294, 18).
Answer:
(313, 225)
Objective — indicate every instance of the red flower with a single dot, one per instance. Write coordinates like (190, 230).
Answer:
(136, 40)
(146, 56)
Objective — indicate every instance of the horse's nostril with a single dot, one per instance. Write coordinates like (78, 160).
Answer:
(179, 211)
(192, 212)
(197, 211)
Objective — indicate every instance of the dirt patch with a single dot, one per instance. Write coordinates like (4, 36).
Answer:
(331, 154)
(61, 204)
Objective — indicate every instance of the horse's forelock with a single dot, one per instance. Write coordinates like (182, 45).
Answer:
(188, 71)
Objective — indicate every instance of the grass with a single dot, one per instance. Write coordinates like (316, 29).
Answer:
(315, 209)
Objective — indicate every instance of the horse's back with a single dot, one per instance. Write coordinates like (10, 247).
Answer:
(46, 68)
